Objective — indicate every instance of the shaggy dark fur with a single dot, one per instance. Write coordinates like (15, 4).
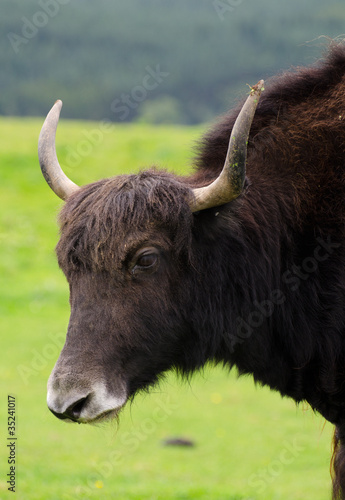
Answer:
(258, 283)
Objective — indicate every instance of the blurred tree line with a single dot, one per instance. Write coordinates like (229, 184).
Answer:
(158, 61)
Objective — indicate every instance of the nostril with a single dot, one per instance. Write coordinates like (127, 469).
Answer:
(74, 410)
(61, 416)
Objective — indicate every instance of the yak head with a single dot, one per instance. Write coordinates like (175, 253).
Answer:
(126, 248)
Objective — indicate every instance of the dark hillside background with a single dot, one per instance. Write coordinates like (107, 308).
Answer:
(157, 61)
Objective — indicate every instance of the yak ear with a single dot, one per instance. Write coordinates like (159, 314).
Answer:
(51, 170)
(229, 183)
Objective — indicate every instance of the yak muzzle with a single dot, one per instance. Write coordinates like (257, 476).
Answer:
(74, 400)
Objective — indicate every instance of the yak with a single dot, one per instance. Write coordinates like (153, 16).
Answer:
(240, 263)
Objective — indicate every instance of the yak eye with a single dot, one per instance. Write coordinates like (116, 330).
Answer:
(145, 260)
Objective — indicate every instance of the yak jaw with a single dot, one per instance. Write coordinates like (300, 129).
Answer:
(72, 401)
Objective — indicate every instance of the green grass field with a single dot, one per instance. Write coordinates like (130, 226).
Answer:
(249, 443)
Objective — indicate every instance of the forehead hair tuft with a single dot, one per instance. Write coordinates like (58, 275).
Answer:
(99, 217)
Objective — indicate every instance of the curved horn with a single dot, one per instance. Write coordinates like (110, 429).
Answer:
(51, 170)
(229, 183)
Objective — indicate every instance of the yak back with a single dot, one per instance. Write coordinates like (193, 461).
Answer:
(297, 142)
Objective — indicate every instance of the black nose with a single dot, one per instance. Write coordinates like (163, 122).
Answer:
(73, 411)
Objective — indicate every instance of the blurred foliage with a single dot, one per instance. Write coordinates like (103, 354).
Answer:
(164, 109)
(95, 55)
